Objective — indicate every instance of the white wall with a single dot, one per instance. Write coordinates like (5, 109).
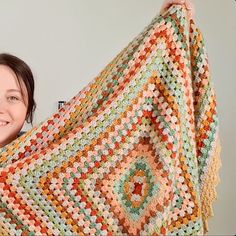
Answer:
(67, 43)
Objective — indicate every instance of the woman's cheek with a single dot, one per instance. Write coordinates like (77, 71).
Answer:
(20, 112)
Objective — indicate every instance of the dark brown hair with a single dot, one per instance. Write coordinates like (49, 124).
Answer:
(23, 74)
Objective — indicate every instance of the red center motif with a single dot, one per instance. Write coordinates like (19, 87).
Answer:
(138, 188)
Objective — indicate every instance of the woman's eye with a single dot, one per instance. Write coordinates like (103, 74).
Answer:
(13, 98)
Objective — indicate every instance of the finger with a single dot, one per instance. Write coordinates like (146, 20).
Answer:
(168, 3)
(190, 7)
(171, 2)
(188, 4)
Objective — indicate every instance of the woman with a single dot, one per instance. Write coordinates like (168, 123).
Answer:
(17, 103)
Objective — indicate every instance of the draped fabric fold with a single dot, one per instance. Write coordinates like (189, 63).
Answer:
(135, 152)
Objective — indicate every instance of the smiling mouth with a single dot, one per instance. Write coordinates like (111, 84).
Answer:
(3, 123)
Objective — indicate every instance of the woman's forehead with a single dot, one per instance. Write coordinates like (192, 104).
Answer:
(9, 80)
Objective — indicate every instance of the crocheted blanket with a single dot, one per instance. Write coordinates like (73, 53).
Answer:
(135, 152)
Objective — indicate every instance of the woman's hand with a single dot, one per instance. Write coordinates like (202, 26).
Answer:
(188, 4)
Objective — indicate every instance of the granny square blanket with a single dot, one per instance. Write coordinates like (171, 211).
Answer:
(135, 152)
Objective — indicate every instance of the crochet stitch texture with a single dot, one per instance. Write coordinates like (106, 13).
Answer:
(135, 152)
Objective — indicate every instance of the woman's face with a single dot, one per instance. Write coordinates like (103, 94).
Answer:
(13, 105)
